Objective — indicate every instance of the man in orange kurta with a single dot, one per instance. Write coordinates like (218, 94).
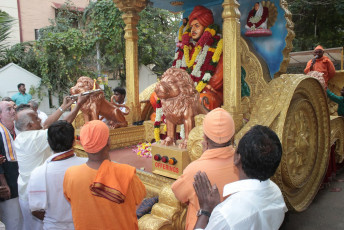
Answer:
(321, 64)
(103, 194)
(216, 161)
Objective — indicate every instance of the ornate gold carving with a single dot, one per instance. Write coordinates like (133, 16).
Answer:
(256, 77)
(300, 153)
(195, 147)
(288, 40)
(231, 56)
(272, 12)
(337, 137)
(167, 214)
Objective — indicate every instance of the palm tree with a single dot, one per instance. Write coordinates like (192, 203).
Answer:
(6, 23)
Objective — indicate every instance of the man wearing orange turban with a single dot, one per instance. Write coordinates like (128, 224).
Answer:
(102, 194)
(196, 54)
(321, 64)
(216, 161)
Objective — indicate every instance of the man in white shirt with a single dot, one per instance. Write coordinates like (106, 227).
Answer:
(254, 202)
(34, 106)
(119, 96)
(32, 149)
(45, 189)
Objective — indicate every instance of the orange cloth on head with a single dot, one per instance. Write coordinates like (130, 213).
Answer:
(323, 65)
(203, 15)
(319, 48)
(94, 136)
(94, 212)
(219, 165)
(218, 125)
(112, 181)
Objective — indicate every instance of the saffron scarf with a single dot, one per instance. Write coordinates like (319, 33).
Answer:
(112, 181)
(8, 143)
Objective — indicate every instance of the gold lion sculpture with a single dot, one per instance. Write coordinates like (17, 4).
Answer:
(97, 105)
(180, 103)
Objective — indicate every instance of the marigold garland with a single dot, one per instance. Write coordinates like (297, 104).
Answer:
(180, 32)
(207, 53)
(218, 51)
(158, 119)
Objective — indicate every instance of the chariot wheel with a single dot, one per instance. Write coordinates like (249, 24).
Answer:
(306, 144)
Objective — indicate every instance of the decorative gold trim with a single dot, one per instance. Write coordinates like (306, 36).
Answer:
(177, 3)
(288, 40)
(337, 137)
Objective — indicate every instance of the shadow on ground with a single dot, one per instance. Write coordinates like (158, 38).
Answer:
(326, 211)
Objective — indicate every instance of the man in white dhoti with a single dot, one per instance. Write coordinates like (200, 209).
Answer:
(45, 189)
(32, 150)
(10, 213)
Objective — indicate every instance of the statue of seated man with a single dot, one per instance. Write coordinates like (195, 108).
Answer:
(257, 17)
(200, 54)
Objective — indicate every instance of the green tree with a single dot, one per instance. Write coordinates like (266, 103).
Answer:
(317, 22)
(6, 23)
(67, 49)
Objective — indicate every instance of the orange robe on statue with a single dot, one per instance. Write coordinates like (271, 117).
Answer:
(214, 90)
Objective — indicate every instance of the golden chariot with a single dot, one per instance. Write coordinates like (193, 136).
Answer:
(295, 106)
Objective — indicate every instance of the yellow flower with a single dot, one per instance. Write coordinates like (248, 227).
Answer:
(218, 51)
(187, 49)
(180, 32)
(157, 134)
(212, 50)
(200, 86)
(212, 31)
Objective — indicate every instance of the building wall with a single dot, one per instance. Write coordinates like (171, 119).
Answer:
(35, 14)
(10, 7)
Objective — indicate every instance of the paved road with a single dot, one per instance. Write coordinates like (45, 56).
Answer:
(325, 213)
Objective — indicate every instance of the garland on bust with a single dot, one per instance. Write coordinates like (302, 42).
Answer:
(200, 58)
(205, 55)
(158, 119)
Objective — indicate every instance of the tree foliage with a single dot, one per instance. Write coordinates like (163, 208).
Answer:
(67, 49)
(6, 23)
(317, 22)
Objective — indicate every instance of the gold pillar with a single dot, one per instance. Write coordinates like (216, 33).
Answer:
(131, 8)
(232, 61)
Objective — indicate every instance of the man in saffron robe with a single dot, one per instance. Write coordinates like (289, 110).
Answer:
(216, 161)
(102, 194)
(321, 64)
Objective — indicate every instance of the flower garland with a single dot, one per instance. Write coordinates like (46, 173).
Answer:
(181, 29)
(206, 54)
(157, 122)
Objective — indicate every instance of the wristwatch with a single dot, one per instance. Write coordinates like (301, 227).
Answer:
(203, 212)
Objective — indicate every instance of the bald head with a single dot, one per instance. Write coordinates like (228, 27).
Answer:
(7, 112)
(28, 120)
